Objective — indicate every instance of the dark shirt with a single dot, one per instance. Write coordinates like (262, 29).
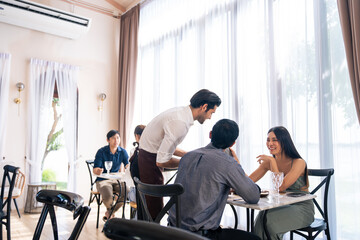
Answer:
(104, 154)
(207, 174)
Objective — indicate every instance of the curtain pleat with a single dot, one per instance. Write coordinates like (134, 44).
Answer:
(5, 60)
(127, 71)
(350, 24)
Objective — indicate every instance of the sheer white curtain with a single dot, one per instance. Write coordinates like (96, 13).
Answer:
(66, 79)
(44, 74)
(272, 63)
(42, 83)
(5, 60)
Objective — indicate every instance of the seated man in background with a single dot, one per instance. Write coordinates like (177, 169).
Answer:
(207, 174)
(112, 152)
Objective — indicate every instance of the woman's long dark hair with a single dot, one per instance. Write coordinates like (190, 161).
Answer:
(286, 143)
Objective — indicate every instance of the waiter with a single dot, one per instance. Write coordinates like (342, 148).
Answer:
(161, 136)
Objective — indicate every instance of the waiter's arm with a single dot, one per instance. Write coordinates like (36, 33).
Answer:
(172, 163)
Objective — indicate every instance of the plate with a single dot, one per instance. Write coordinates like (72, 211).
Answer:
(264, 193)
(295, 194)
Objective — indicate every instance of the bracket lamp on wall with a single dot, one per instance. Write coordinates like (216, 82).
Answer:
(20, 86)
(102, 97)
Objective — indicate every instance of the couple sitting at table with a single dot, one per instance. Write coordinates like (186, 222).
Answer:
(208, 173)
(112, 152)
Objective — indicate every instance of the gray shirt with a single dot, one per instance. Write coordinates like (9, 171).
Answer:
(207, 174)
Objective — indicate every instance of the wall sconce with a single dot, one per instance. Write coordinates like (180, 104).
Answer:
(20, 86)
(102, 97)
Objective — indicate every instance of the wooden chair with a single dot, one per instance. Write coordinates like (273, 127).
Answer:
(171, 190)
(318, 225)
(124, 229)
(8, 180)
(94, 194)
(67, 200)
(18, 189)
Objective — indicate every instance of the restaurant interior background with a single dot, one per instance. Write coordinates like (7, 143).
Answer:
(272, 62)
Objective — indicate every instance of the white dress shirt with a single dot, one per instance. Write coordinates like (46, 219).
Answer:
(166, 131)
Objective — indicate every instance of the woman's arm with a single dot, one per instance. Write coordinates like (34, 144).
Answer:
(266, 163)
(297, 169)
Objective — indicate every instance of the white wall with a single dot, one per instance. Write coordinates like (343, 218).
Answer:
(96, 53)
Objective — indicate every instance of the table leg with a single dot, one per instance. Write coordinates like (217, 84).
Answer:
(250, 220)
(118, 199)
(235, 216)
(247, 220)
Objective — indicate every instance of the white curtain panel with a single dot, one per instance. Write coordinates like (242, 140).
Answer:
(272, 63)
(42, 83)
(5, 60)
(66, 79)
(44, 74)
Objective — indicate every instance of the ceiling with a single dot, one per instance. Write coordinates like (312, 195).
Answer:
(114, 8)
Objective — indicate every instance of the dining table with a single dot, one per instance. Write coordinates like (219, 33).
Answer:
(120, 177)
(267, 201)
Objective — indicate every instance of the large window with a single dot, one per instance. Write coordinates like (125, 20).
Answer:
(275, 62)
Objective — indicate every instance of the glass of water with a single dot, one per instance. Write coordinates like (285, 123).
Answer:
(108, 166)
(277, 179)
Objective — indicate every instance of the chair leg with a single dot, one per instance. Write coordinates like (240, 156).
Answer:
(80, 223)
(97, 219)
(8, 231)
(53, 222)
(41, 222)
(291, 235)
(327, 232)
(16, 206)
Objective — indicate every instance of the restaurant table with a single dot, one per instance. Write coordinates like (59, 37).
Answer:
(120, 178)
(31, 205)
(266, 203)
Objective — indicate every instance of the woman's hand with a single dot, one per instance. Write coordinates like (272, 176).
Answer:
(268, 161)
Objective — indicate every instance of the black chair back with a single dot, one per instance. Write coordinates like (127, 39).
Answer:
(171, 190)
(8, 181)
(94, 194)
(70, 201)
(123, 229)
(318, 225)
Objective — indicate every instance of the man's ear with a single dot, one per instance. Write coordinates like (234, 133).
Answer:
(204, 107)
(232, 144)
(210, 134)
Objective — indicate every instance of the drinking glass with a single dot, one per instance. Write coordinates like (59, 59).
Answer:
(277, 179)
(108, 166)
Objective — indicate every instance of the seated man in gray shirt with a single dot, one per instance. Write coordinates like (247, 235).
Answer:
(207, 174)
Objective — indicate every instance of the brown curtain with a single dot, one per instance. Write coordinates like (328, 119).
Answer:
(129, 24)
(349, 11)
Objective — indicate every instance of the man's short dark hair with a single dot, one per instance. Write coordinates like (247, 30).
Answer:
(205, 96)
(224, 133)
(112, 133)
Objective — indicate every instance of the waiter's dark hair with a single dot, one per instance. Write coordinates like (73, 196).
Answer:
(112, 133)
(205, 96)
(224, 133)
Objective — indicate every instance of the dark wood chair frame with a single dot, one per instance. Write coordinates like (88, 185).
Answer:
(9, 178)
(94, 195)
(318, 225)
(67, 200)
(171, 190)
